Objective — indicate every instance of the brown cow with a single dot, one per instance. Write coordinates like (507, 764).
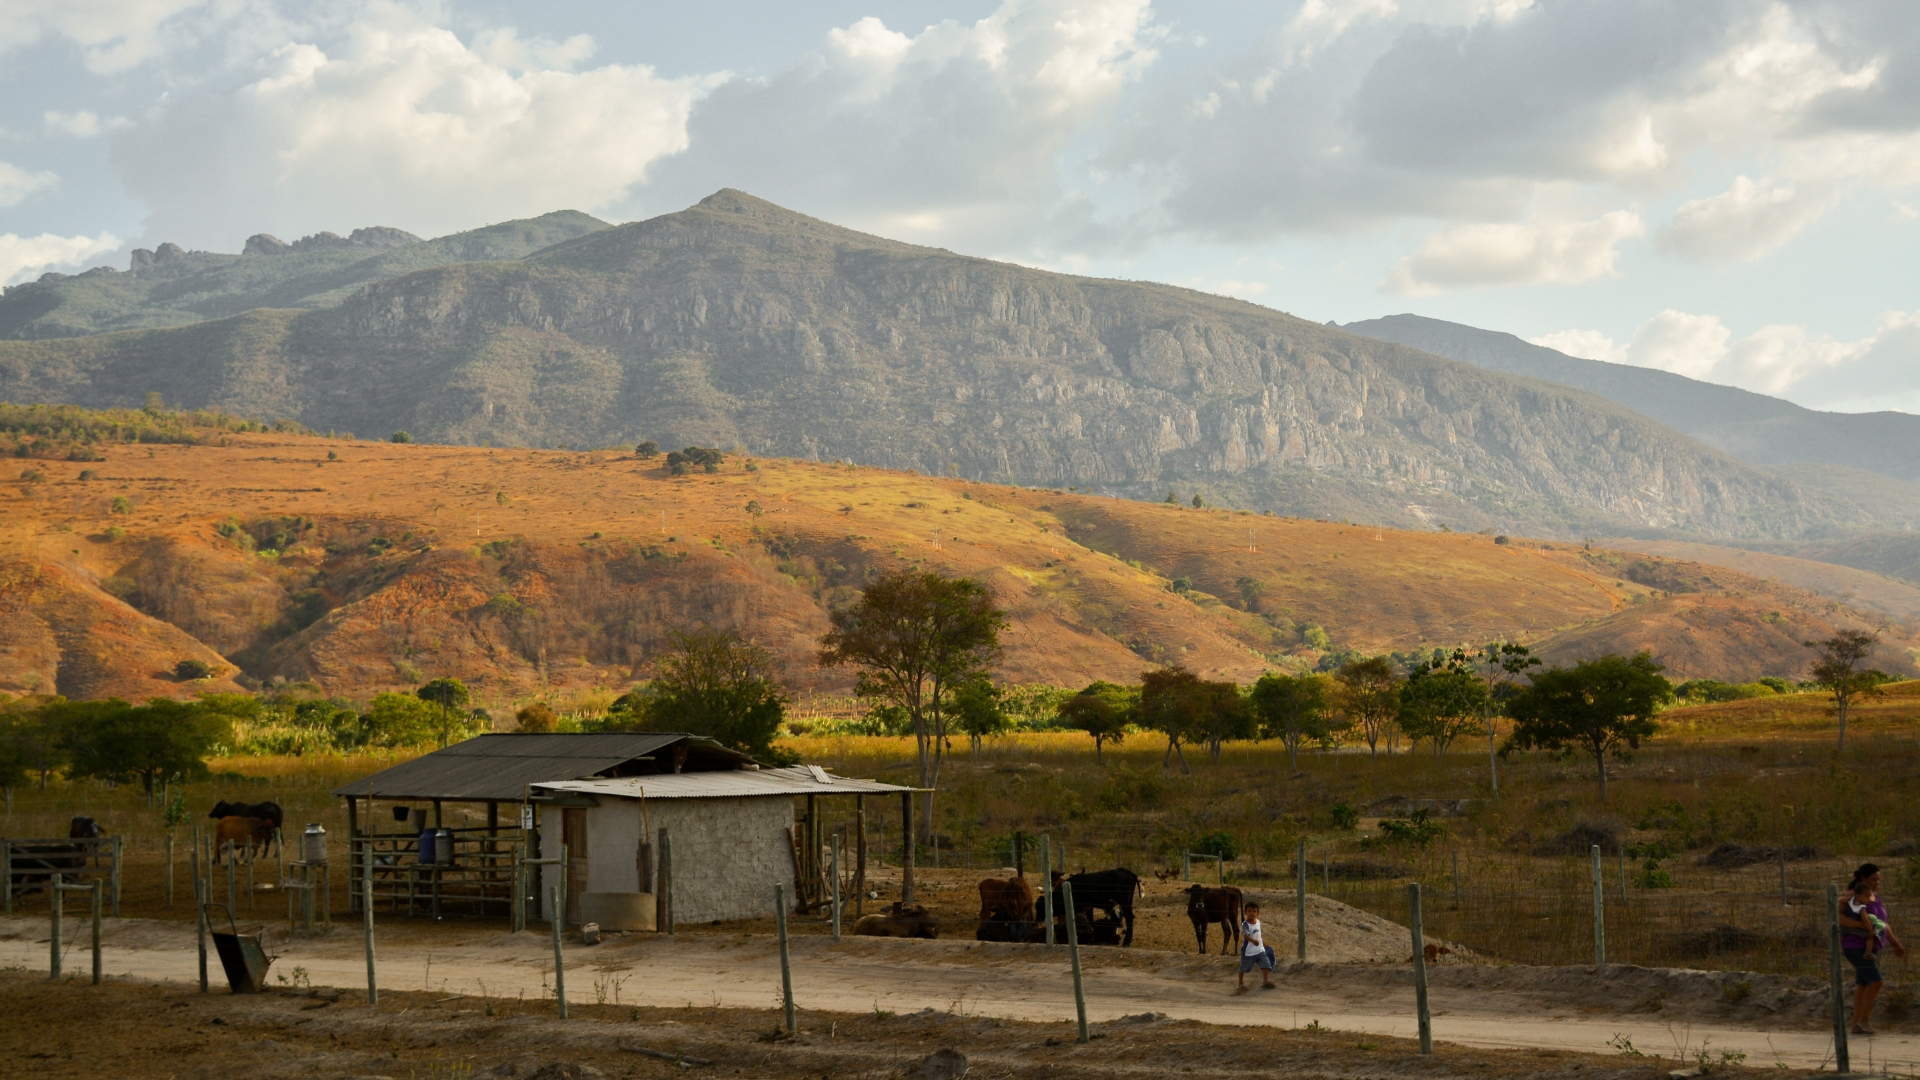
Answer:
(245, 833)
(1013, 897)
(903, 922)
(1215, 905)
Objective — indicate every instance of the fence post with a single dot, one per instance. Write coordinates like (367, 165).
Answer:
(1783, 875)
(1186, 867)
(1456, 877)
(786, 963)
(1623, 875)
(1073, 955)
(6, 863)
(835, 898)
(1046, 883)
(199, 909)
(666, 870)
(559, 961)
(1326, 872)
(1599, 914)
(1300, 902)
(1419, 969)
(117, 864)
(366, 914)
(231, 871)
(59, 902)
(1840, 1062)
(169, 867)
(96, 931)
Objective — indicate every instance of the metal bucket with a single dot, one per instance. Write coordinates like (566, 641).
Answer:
(242, 956)
(442, 847)
(313, 844)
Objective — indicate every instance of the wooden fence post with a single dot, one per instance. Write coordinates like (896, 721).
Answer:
(199, 908)
(1841, 1064)
(906, 848)
(1424, 1016)
(1599, 914)
(1300, 902)
(559, 961)
(6, 864)
(169, 867)
(835, 897)
(860, 856)
(366, 909)
(786, 964)
(1073, 955)
(1046, 883)
(59, 902)
(96, 931)
(118, 876)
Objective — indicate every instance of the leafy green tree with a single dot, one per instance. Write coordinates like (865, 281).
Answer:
(1368, 694)
(1595, 707)
(1293, 709)
(716, 684)
(400, 437)
(113, 740)
(1186, 708)
(1102, 710)
(911, 636)
(978, 712)
(29, 743)
(1441, 700)
(647, 448)
(1251, 590)
(1499, 666)
(398, 720)
(1839, 666)
(450, 697)
(190, 670)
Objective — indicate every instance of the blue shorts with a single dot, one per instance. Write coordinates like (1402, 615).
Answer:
(1866, 966)
(1263, 959)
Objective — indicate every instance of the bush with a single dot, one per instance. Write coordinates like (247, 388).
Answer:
(537, 717)
(1218, 843)
(647, 448)
(192, 669)
(400, 437)
(1343, 816)
(1417, 828)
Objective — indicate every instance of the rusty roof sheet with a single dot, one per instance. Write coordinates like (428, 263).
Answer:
(498, 767)
(795, 780)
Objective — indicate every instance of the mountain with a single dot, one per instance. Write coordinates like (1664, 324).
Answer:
(1752, 427)
(737, 322)
(168, 286)
(366, 566)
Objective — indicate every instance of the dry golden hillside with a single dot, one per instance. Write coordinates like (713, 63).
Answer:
(368, 566)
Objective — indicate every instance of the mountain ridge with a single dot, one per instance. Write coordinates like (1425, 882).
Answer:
(739, 322)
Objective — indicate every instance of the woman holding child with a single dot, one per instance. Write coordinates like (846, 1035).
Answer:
(1864, 934)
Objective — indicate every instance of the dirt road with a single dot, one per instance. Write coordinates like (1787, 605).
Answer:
(1674, 1014)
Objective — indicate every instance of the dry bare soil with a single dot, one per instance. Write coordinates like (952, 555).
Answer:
(370, 566)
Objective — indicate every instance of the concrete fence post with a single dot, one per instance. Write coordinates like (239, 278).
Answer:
(1599, 914)
(786, 962)
(559, 960)
(1421, 1010)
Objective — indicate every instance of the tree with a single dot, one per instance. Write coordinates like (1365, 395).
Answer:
(1836, 666)
(978, 712)
(1440, 701)
(1368, 694)
(29, 742)
(1594, 707)
(398, 720)
(448, 695)
(1251, 590)
(190, 669)
(911, 636)
(1498, 666)
(400, 437)
(540, 717)
(647, 448)
(1292, 708)
(1102, 710)
(717, 684)
(112, 740)
(1184, 707)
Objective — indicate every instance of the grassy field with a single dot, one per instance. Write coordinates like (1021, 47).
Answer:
(1719, 775)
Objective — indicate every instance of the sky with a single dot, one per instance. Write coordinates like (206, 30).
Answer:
(1728, 189)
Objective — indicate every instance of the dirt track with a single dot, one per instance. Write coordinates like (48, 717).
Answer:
(1670, 1013)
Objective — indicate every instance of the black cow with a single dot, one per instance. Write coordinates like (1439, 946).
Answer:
(1111, 891)
(265, 811)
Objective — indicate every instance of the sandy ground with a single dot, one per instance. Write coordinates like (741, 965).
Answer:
(1676, 1014)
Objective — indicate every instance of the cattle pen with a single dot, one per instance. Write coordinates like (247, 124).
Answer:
(31, 864)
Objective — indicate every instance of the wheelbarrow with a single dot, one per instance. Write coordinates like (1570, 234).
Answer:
(242, 956)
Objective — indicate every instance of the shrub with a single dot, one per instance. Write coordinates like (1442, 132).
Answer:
(1219, 843)
(1500, 540)
(400, 437)
(192, 669)
(88, 474)
(1417, 828)
(537, 717)
(121, 505)
(647, 448)
(1343, 816)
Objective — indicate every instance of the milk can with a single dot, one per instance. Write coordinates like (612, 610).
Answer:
(443, 847)
(313, 844)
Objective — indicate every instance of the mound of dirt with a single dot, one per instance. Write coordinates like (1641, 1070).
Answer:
(1732, 856)
(1580, 839)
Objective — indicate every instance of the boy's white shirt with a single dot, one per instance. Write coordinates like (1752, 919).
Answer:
(1250, 943)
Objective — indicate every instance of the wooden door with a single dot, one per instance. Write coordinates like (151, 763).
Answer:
(573, 830)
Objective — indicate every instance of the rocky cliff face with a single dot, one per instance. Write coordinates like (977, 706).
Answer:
(739, 323)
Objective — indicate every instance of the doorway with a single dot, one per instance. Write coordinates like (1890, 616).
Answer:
(573, 833)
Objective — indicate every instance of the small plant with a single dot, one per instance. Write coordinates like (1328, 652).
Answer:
(88, 474)
(333, 455)
(753, 507)
(1343, 816)
(115, 534)
(191, 669)
(378, 544)
(1736, 992)
(1502, 540)
(1417, 828)
(1625, 1046)
(500, 497)
(1218, 843)
(121, 505)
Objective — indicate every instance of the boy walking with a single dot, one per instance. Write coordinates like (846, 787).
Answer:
(1253, 950)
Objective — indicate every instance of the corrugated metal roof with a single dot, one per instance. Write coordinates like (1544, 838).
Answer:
(797, 780)
(500, 766)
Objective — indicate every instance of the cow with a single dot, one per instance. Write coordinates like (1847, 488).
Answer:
(1014, 896)
(250, 834)
(1112, 891)
(997, 929)
(901, 922)
(267, 811)
(1219, 904)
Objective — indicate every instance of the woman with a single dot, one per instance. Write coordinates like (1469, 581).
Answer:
(1863, 933)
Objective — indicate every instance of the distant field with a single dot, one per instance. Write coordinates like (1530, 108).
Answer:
(367, 566)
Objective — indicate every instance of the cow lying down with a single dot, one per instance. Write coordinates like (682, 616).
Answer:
(1090, 930)
(906, 922)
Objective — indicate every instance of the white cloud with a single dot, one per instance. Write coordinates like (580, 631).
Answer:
(1534, 253)
(17, 183)
(23, 257)
(960, 130)
(1879, 371)
(1747, 221)
(114, 35)
(401, 124)
(84, 124)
